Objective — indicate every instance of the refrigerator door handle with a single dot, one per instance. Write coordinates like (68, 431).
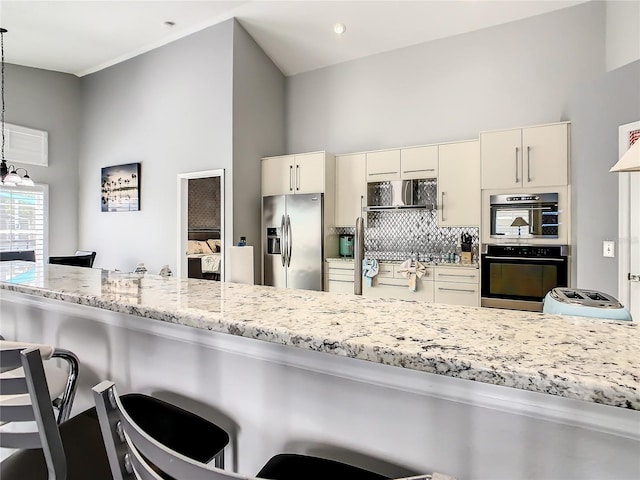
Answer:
(283, 250)
(289, 241)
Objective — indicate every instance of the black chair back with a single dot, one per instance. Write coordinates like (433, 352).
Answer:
(74, 260)
(26, 255)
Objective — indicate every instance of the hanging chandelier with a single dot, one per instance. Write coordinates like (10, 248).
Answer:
(8, 173)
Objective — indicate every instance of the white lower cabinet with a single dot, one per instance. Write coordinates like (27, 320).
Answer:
(390, 283)
(451, 285)
(457, 286)
(339, 276)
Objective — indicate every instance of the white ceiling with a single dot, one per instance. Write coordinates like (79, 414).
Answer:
(84, 36)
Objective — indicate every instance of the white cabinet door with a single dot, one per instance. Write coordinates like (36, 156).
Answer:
(545, 155)
(457, 286)
(396, 288)
(351, 188)
(457, 274)
(454, 293)
(501, 159)
(339, 277)
(277, 175)
(459, 184)
(382, 166)
(525, 157)
(339, 286)
(309, 173)
(419, 162)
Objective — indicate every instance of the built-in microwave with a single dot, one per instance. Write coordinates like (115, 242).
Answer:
(524, 215)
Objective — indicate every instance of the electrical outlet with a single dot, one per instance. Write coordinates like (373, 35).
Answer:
(609, 248)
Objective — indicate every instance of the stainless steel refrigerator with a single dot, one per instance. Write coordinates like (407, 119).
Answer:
(293, 240)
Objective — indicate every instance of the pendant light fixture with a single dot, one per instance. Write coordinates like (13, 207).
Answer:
(8, 174)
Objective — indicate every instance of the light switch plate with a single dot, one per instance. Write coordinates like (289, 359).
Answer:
(609, 248)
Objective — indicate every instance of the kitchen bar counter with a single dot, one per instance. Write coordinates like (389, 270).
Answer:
(578, 358)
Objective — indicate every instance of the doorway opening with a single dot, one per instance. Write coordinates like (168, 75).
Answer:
(201, 250)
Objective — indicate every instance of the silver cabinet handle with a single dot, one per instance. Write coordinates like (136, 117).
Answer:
(283, 250)
(290, 178)
(528, 163)
(361, 203)
(289, 241)
(456, 290)
(420, 170)
(517, 165)
(381, 173)
(297, 177)
(442, 203)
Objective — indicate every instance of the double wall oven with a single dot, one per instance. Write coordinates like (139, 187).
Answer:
(523, 259)
(519, 276)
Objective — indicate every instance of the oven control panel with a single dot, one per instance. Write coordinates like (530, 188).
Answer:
(526, 251)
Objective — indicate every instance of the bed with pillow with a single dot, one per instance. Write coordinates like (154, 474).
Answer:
(204, 254)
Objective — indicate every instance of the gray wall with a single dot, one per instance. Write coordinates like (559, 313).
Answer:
(512, 75)
(50, 101)
(258, 131)
(169, 109)
(596, 110)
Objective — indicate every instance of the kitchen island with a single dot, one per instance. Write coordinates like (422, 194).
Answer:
(473, 392)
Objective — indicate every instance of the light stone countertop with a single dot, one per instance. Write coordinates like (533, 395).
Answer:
(580, 358)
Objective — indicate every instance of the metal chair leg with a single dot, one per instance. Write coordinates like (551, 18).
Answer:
(66, 400)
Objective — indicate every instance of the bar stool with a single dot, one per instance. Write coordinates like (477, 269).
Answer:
(75, 450)
(72, 451)
(62, 383)
(132, 450)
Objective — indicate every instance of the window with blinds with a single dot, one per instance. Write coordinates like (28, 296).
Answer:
(23, 220)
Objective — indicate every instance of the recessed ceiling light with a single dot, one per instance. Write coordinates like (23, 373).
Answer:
(339, 28)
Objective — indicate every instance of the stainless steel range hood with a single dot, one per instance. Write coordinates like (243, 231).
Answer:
(395, 195)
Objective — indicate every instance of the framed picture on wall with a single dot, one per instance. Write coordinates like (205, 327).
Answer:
(121, 188)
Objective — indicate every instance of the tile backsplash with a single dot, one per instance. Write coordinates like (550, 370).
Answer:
(401, 234)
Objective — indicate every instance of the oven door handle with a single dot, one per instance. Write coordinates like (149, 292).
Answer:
(488, 257)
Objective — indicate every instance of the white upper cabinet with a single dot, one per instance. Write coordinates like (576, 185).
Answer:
(459, 184)
(419, 162)
(277, 175)
(291, 174)
(351, 188)
(525, 157)
(403, 164)
(309, 173)
(545, 153)
(383, 166)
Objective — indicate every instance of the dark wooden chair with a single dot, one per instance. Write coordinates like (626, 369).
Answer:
(74, 260)
(26, 255)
